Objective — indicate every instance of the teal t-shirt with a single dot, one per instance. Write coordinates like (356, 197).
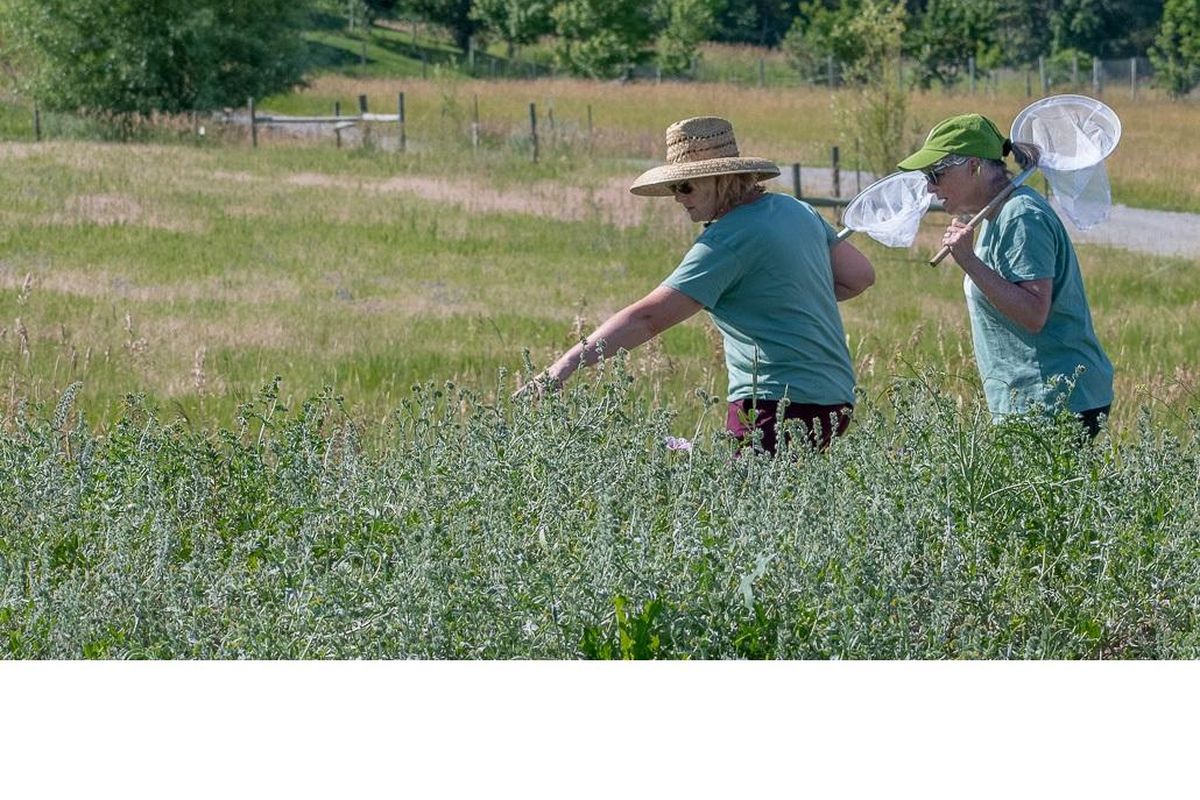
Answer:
(763, 273)
(1025, 242)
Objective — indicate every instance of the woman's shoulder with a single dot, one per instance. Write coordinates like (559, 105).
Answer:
(777, 204)
(1027, 205)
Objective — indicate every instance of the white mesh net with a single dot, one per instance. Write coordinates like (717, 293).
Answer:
(1075, 134)
(890, 210)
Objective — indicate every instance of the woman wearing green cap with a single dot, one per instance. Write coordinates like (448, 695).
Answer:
(1032, 329)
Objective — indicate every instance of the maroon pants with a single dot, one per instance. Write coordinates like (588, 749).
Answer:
(821, 423)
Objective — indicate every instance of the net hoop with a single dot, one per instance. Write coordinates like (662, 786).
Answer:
(903, 195)
(1073, 131)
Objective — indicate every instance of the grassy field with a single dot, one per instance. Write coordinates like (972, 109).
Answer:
(165, 497)
(196, 273)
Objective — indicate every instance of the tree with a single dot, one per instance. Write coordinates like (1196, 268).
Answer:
(377, 9)
(862, 36)
(1021, 31)
(876, 111)
(1176, 51)
(599, 38)
(515, 22)
(139, 56)
(454, 15)
(950, 32)
(1105, 28)
(682, 26)
(818, 33)
(760, 22)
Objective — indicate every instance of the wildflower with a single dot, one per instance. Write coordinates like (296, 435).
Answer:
(677, 443)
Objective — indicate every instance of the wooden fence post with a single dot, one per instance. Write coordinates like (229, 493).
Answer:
(1096, 77)
(857, 166)
(475, 125)
(253, 125)
(837, 172)
(37, 122)
(400, 122)
(367, 140)
(1133, 78)
(337, 131)
(796, 180)
(971, 72)
(1042, 79)
(533, 129)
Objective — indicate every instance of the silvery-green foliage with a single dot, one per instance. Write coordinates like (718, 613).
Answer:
(565, 527)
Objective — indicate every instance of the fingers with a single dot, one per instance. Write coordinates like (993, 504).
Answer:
(538, 386)
(956, 232)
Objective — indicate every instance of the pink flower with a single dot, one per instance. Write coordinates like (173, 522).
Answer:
(677, 443)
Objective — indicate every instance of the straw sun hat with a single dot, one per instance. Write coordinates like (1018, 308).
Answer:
(700, 147)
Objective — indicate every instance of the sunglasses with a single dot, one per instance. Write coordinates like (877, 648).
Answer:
(681, 188)
(935, 173)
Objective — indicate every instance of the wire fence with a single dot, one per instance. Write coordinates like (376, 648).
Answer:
(1046, 76)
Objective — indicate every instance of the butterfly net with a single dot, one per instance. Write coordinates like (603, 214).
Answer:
(890, 210)
(1075, 134)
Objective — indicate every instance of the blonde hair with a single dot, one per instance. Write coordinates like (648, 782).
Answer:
(733, 189)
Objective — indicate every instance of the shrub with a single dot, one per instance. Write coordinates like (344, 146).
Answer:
(566, 528)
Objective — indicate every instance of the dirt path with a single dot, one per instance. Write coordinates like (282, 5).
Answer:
(1167, 233)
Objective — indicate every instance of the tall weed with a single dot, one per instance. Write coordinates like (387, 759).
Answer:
(566, 528)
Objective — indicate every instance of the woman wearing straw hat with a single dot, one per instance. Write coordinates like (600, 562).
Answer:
(1030, 321)
(767, 268)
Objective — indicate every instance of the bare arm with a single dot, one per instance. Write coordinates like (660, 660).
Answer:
(633, 325)
(852, 271)
(1026, 303)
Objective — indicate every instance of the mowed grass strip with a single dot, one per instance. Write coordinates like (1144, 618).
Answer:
(196, 274)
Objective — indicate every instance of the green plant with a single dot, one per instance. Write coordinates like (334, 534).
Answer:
(565, 528)
(127, 58)
(1176, 51)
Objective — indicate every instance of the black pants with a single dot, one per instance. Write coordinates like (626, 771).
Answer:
(821, 423)
(1091, 420)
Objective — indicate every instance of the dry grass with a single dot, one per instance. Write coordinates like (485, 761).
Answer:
(788, 125)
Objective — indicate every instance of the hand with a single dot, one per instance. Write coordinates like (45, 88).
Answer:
(960, 239)
(539, 385)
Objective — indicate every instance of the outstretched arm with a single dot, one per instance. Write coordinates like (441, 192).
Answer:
(636, 323)
(852, 271)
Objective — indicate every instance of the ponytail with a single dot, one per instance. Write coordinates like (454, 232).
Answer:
(1025, 154)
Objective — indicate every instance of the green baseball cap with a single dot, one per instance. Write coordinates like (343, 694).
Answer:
(964, 135)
